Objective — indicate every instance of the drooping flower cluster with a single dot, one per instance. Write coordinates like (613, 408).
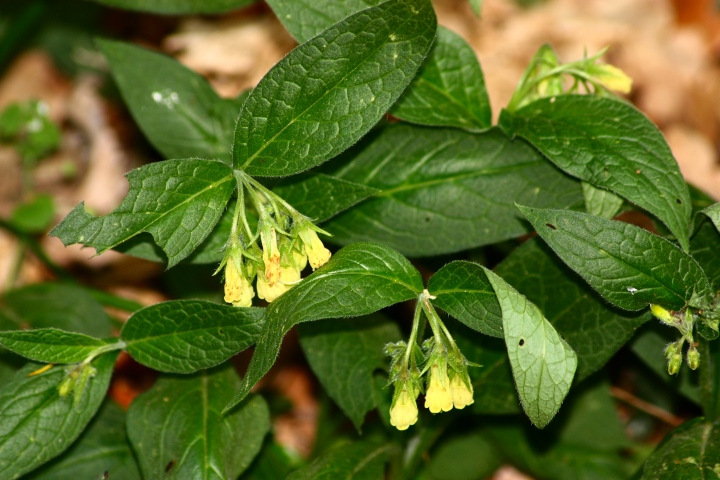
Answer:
(684, 321)
(448, 383)
(288, 242)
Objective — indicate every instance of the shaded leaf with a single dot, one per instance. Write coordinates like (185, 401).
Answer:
(543, 364)
(344, 356)
(449, 90)
(177, 201)
(328, 92)
(359, 279)
(464, 457)
(177, 7)
(627, 265)
(357, 461)
(599, 202)
(177, 429)
(36, 423)
(184, 336)
(609, 144)
(50, 345)
(445, 190)
(176, 108)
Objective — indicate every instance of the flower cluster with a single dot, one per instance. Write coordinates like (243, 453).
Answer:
(288, 242)
(447, 384)
(684, 321)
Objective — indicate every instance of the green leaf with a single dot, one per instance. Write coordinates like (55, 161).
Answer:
(476, 6)
(463, 290)
(177, 110)
(36, 423)
(713, 213)
(344, 356)
(446, 190)
(177, 201)
(449, 90)
(34, 216)
(177, 7)
(50, 345)
(178, 432)
(627, 265)
(543, 364)
(464, 457)
(358, 461)
(594, 329)
(599, 202)
(358, 280)
(691, 451)
(609, 144)
(185, 336)
(55, 305)
(320, 196)
(103, 447)
(328, 92)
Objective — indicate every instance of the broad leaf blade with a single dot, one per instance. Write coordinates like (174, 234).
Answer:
(446, 190)
(103, 447)
(357, 461)
(177, 110)
(449, 90)
(185, 336)
(177, 7)
(37, 424)
(320, 196)
(177, 430)
(627, 265)
(543, 364)
(691, 451)
(177, 201)
(463, 290)
(344, 357)
(50, 345)
(599, 202)
(359, 279)
(293, 121)
(609, 144)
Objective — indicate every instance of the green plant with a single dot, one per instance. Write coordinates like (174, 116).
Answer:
(441, 181)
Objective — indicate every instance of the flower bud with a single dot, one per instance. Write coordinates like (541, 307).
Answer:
(438, 397)
(693, 358)
(404, 411)
(462, 394)
(661, 314)
(674, 364)
(316, 252)
(612, 78)
(238, 289)
(267, 291)
(673, 348)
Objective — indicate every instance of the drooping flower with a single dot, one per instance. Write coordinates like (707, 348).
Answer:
(271, 255)
(462, 393)
(438, 397)
(316, 252)
(612, 77)
(238, 289)
(404, 411)
(267, 291)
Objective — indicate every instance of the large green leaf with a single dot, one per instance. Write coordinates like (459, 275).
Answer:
(184, 336)
(704, 247)
(357, 461)
(320, 196)
(344, 356)
(177, 110)
(178, 431)
(627, 265)
(690, 452)
(50, 345)
(177, 201)
(446, 190)
(360, 279)
(55, 305)
(36, 423)
(177, 7)
(464, 457)
(328, 92)
(543, 364)
(449, 90)
(463, 290)
(609, 144)
(103, 447)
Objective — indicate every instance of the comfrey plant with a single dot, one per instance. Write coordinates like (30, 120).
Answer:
(375, 134)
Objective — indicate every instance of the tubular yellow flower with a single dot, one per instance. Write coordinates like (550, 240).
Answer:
(438, 397)
(267, 291)
(316, 252)
(238, 290)
(462, 396)
(404, 411)
(613, 78)
(271, 256)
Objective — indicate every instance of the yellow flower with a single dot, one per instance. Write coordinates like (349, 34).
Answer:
(462, 396)
(613, 78)
(271, 256)
(662, 314)
(404, 411)
(238, 290)
(267, 291)
(316, 252)
(438, 397)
